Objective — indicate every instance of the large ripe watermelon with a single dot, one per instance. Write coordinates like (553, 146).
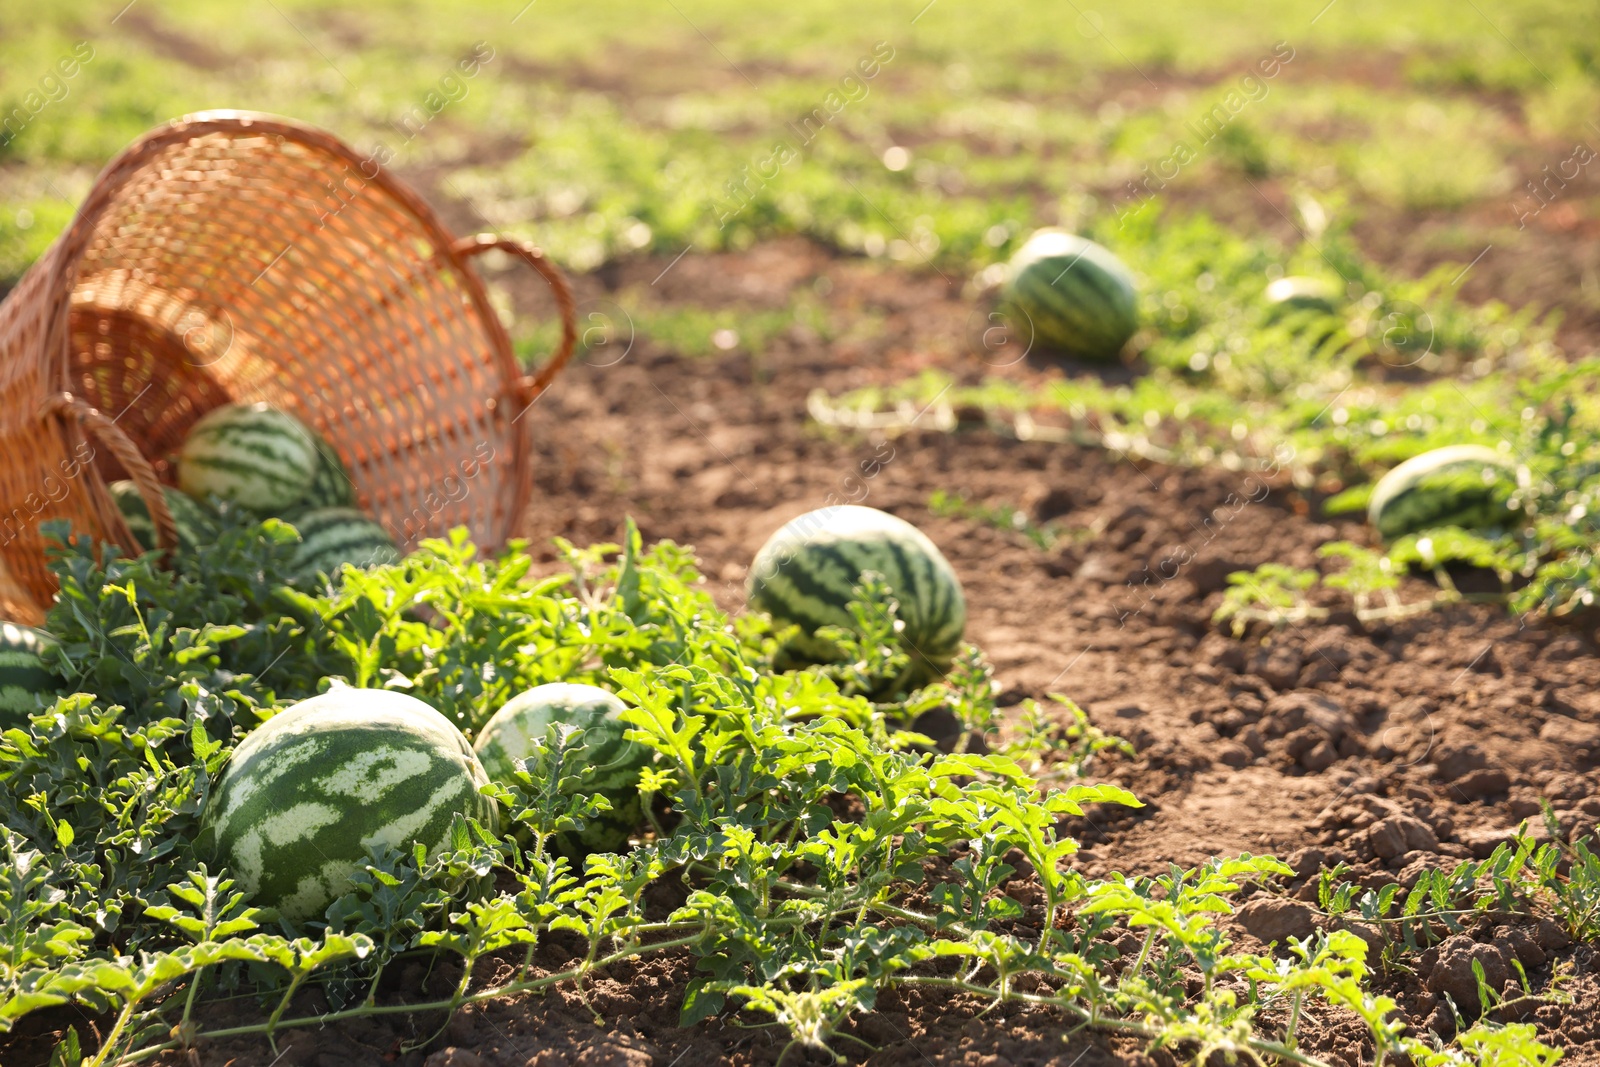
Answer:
(332, 537)
(1459, 485)
(196, 526)
(27, 678)
(1079, 297)
(252, 454)
(805, 573)
(507, 739)
(313, 788)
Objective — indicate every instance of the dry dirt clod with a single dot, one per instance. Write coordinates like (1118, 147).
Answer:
(1321, 756)
(1277, 665)
(455, 1057)
(1571, 734)
(613, 1056)
(1452, 975)
(1232, 754)
(1483, 782)
(1270, 919)
(1399, 834)
(1523, 946)
(1307, 861)
(1550, 936)
(1454, 761)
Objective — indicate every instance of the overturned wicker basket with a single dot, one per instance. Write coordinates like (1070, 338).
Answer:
(235, 257)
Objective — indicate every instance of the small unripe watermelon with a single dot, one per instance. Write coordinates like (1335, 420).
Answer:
(1459, 485)
(805, 573)
(1297, 293)
(507, 739)
(196, 526)
(1079, 297)
(27, 678)
(332, 537)
(308, 792)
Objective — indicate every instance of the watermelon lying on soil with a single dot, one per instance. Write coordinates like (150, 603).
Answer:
(311, 790)
(1079, 297)
(332, 537)
(1297, 293)
(252, 454)
(804, 575)
(1459, 485)
(507, 739)
(196, 525)
(27, 679)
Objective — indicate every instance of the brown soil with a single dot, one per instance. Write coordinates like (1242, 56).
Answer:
(1387, 747)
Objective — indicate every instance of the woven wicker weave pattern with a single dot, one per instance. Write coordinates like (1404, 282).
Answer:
(233, 258)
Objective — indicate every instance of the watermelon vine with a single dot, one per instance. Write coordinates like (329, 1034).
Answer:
(814, 850)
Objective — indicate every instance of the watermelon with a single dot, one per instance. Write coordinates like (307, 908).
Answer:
(331, 486)
(1296, 293)
(252, 454)
(506, 740)
(1459, 485)
(805, 573)
(1078, 295)
(308, 793)
(195, 523)
(27, 678)
(332, 537)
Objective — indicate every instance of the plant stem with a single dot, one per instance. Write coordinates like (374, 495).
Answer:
(115, 1035)
(1123, 1026)
(450, 1004)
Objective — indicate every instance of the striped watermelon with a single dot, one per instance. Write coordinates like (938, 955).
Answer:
(1459, 485)
(332, 537)
(507, 739)
(196, 525)
(805, 572)
(251, 454)
(308, 792)
(331, 486)
(1078, 296)
(26, 678)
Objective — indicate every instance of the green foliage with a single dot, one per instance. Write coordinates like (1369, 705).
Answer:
(1272, 593)
(1404, 367)
(1521, 877)
(794, 912)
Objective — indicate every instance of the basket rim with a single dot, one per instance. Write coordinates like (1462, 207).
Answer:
(66, 255)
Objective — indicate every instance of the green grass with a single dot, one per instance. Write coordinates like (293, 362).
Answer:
(625, 126)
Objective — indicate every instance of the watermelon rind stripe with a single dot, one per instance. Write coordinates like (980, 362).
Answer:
(1078, 295)
(1458, 485)
(331, 537)
(26, 680)
(331, 485)
(311, 790)
(258, 456)
(194, 522)
(506, 742)
(806, 600)
(807, 571)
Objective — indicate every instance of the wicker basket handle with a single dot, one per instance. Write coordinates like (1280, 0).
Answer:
(106, 431)
(529, 386)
